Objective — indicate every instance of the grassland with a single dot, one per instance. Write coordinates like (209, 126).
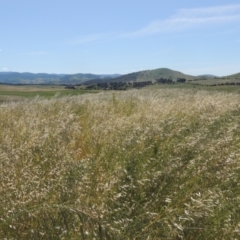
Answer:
(16, 92)
(216, 81)
(139, 164)
(194, 87)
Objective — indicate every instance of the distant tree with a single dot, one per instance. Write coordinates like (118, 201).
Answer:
(70, 87)
(181, 80)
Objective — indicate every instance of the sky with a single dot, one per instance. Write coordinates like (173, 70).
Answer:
(120, 36)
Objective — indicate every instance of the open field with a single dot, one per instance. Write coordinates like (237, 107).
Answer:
(217, 81)
(139, 164)
(20, 92)
(189, 86)
(26, 91)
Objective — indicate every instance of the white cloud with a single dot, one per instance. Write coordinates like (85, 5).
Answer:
(191, 18)
(5, 69)
(182, 20)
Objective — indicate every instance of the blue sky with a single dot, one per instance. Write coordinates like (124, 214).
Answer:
(120, 36)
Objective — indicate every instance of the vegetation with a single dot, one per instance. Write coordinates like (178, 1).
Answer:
(117, 85)
(139, 164)
(13, 92)
(147, 75)
(209, 88)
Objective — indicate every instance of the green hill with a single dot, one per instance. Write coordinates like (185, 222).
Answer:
(147, 75)
(236, 75)
(152, 75)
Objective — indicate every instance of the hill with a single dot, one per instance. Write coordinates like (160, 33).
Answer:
(45, 78)
(207, 76)
(236, 75)
(147, 75)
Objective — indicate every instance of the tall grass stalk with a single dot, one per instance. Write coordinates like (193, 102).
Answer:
(149, 164)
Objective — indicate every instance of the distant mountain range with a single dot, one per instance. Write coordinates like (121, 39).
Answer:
(81, 77)
(207, 76)
(88, 78)
(45, 78)
(26, 78)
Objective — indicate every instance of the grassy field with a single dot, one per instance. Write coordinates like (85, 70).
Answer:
(216, 81)
(139, 164)
(189, 86)
(20, 92)
(29, 91)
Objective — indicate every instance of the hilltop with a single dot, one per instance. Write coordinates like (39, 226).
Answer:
(151, 75)
(147, 75)
(236, 75)
(207, 76)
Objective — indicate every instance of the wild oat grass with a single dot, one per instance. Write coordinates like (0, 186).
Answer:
(146, 164)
